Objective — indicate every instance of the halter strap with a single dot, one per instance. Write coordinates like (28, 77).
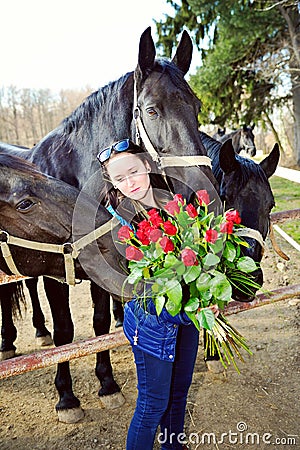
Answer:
(69, 250)
(162, 161)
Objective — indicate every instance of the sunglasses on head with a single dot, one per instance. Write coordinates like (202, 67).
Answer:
(120, 146)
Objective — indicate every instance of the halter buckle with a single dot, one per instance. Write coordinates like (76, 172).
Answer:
(67, 248)
(136, 113)
(4, 236)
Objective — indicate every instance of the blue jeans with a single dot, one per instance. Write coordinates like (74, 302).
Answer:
(162, 394)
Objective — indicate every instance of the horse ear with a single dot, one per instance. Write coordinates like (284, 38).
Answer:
(269, 164)
(183, 55)
(245, 127)
(146, 52)
(252, 126)
(227, 159)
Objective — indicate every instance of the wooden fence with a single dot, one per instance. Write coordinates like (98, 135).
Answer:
(45, 358)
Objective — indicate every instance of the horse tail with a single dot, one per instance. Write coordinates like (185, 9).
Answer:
(14, 293)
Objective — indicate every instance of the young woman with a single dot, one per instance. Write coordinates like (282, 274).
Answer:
(164, 347)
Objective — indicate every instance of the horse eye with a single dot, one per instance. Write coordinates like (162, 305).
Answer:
(25, 205)
(151, 113)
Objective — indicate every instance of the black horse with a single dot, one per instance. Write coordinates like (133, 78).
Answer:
(244, 186)
(168, 109)
(242, 139)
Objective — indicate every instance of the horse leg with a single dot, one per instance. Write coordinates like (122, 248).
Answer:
(110, 392)
(11, 296)
(68, 408)
(118, 312)
(212, 362)
(42, 334)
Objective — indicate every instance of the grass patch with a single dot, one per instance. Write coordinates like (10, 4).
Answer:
(287, 196)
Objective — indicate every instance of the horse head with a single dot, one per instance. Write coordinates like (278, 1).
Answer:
(37, 207)
(245, 187)
(246, 142)
(168, 109)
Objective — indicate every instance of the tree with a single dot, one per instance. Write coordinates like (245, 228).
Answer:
(252, 61)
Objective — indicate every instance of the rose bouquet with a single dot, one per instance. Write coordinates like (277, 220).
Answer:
(190, 259)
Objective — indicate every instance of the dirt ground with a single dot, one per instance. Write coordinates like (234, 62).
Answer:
(254, 410)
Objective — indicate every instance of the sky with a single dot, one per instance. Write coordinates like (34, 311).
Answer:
(72, 44)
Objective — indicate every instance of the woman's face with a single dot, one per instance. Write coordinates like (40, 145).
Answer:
(130, 175)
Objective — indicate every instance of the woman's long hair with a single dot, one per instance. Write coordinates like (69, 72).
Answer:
(133, 210)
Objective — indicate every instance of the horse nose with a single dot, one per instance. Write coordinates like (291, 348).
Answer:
(248, 294)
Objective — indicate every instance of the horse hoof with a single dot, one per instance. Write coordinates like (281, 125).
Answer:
(7, 354)
(43, 341)
(113, 401)
(70, 415)
(214, 366)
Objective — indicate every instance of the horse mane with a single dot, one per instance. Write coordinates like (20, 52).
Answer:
(91, 106)
(14, 162)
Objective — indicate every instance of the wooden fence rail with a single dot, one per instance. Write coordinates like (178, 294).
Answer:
(45, 358)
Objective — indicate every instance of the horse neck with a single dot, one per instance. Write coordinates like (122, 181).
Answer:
(103, 117)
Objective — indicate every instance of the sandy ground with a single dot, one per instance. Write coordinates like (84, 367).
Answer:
(258, 409)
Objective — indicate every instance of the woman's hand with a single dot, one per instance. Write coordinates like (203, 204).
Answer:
(215, 310)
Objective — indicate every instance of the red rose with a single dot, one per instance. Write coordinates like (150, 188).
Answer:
(134, 254)
(155, 234)
(226, 227)
(144, 226)
(125, 233)
(172, 207)
(211, 236)
(191, 210)
(166, 244)
(143, 237)
(189, 257)
(203, 197)
(233, 216)
(179, 199)
(155, 218)
(169, 228)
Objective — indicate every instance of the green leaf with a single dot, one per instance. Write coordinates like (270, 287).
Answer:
(174, 291)
(218, 246)
(193, 318)
(192, 304)
(206, 318)
(246, 264)
(170, 260)
(135, 275)
(220, 287)
(164, 273)
(203, 282)
(229, 251)
(192, 273)
(184, 219)
(210, 260)
(173, 307)
(159, 301)
(180, 268)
